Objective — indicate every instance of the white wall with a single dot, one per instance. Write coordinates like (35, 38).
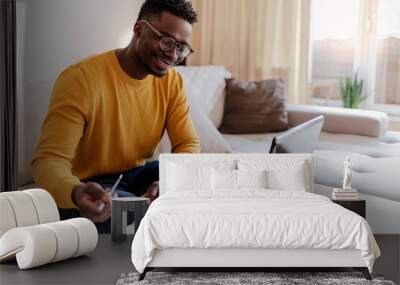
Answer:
(53, 34)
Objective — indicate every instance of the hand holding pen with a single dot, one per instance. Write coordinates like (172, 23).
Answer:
(111, 193)
(88, 196)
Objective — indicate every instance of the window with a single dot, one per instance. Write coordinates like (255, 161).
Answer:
(333, 33)
(387, 86)
(363, 36)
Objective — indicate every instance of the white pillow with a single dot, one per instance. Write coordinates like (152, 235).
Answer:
(236, 179)
(182, 177)
(223, 179)
(284, 172)
(293, 180)
(251, 178)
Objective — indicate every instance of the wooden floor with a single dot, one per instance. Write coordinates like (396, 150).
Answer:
(389, 262)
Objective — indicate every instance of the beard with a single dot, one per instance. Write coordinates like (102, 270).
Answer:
(157, 64)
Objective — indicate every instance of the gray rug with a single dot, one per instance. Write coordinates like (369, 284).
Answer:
(231, 278)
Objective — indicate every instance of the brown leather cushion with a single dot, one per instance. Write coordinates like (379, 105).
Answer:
(254, 107)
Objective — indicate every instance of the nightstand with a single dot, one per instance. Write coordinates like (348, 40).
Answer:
(357, 206)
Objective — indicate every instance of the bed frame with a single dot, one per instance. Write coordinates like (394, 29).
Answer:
(242, 259)
(245, 258)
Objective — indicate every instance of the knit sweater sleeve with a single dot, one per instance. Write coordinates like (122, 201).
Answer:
(62, 129)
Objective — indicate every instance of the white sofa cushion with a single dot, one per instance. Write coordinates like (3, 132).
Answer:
(216, 114)
(378, 160)
(374, 147)
(211, 140)
(342, 120)
(376, 176)
(205, 83)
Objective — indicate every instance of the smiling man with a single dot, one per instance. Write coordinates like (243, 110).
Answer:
(108, 113)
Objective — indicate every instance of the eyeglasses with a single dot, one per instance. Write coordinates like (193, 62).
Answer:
(168, 43)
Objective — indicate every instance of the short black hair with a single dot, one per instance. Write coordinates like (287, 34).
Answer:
(179, 8)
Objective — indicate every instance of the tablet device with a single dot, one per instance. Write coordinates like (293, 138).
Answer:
(301, 139)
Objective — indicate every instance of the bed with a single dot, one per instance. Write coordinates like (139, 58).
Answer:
(247, 210)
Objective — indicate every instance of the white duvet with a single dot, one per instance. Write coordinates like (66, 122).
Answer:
(252, 218)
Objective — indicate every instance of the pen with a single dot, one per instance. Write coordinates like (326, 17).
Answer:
(115, 185)
(101, 206)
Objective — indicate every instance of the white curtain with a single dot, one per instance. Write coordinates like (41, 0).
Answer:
(377, 54)
(388, 71)
(256, 40)
(387, 86)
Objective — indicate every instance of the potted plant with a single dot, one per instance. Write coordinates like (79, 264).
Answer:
(351, 90)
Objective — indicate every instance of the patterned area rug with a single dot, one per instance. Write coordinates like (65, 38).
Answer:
(242, 278)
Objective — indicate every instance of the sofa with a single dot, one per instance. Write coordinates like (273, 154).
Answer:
(361, 134)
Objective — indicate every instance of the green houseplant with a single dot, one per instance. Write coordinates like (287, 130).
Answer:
(351, 90)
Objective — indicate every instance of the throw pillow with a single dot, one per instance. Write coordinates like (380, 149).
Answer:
(254, 107)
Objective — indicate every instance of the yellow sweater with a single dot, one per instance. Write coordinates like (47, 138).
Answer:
(102, 121)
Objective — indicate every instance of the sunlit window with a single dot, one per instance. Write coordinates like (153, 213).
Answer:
(387, 86)
(334, 27)
(343, 30)
(334, 19)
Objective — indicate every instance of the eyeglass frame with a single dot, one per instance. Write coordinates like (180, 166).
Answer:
(177, 44)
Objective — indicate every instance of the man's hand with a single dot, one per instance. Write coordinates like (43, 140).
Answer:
(88, 196)
(152, 191)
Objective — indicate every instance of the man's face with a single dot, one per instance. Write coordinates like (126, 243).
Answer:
(147, 46)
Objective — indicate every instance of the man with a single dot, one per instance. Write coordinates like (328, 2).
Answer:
(108, 113)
